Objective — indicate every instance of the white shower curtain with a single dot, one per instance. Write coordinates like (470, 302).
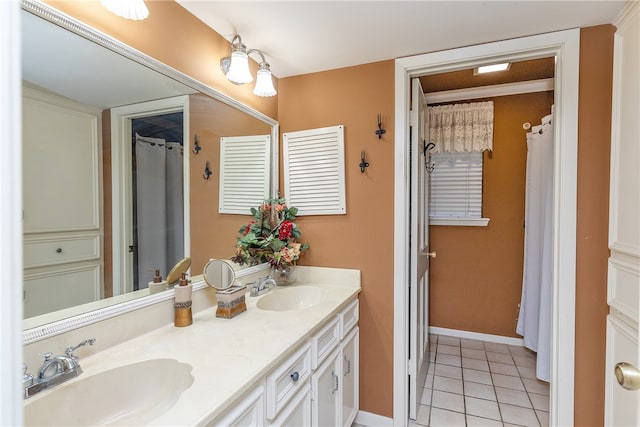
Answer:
(534, 320)
(160, 211)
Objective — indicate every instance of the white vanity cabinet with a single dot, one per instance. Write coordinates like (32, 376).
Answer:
(316, 385)
(335, 382)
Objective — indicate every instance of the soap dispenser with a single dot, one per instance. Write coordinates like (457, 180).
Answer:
(182, 305)
(157, 285)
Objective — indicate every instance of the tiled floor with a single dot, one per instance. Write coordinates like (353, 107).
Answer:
(475, 383)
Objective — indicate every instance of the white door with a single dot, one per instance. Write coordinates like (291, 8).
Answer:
(622, 375)
(419, 249)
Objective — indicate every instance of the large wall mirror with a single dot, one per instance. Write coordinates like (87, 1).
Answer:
(114, 187)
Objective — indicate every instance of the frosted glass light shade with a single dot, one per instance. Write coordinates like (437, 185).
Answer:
(264, 84)
(239, 69)
(128, 9)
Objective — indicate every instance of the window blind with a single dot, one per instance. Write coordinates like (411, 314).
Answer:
(244, 173)
(456, 185)
(314, 170)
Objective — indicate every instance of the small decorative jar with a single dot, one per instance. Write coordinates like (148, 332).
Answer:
(284, 274)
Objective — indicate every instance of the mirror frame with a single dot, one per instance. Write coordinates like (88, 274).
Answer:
(80, 320)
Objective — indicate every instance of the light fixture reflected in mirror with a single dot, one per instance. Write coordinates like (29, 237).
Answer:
(128, 9)
(236, 68)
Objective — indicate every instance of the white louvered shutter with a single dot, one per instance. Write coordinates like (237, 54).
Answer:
(456, 185)
(244, 173)
(314, 170)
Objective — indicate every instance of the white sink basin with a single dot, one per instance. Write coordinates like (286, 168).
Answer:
(133, 394)
(294, 298)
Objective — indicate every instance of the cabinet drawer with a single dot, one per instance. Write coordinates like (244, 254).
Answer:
(39, 252)
(287, 379)
(348, 318)
(324, 342)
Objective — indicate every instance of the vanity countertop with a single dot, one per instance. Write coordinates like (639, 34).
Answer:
(228, 356)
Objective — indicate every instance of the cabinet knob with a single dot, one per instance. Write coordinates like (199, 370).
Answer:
(59, 250)
(295, 376)
(627, 375)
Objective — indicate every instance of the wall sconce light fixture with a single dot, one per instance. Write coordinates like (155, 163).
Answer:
(236, 68)
(128, 9)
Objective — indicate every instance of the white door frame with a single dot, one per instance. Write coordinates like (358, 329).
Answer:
(565, 46)
(121, 190)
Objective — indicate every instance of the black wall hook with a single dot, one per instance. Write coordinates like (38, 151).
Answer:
(196, 146)
(207, 171)
(363, 164)
(380, 131)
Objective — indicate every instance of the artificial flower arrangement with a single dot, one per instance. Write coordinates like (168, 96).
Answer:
(270, 237)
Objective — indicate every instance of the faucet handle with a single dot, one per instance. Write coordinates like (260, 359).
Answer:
(69, 351)
(27, 378)
(47, 356)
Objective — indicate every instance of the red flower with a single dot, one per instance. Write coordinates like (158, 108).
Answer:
(248, 228)
(285, 230)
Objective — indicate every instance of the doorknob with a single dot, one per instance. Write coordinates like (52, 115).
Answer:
(627, 375)
(426, 252)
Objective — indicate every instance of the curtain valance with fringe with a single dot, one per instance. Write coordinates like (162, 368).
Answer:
(461, 127)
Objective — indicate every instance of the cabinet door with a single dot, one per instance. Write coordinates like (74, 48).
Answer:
(327, 395)
(350, 377)
(298, 412)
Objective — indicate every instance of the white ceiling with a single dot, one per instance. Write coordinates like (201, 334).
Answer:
(300, 37)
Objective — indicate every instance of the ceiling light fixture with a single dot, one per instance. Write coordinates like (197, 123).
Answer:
(128, 9)
(236, 68)
(492, 68)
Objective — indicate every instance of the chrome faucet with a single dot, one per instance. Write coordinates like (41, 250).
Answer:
(54, 370)
(262, 286)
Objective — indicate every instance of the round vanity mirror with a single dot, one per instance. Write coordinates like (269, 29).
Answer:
(219, 274)
(176, 272)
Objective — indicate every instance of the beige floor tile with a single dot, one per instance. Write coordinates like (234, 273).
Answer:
(450, 401)
(507, 381)
(513, 397)
(518, 415)
(499, 357)
(503, 368)
(451, 385)
(543, 417)
(525, 361)
(442, 339)
(448, 371)
(426, 397)
(527, 372)
(481, 391)
(482, 408)
(496, 347)
(477, 376)
(448, 349)
(535, 386)
(478, 364)
(482, 422)
(472, 344)
(423, 415)
(449, 359)
(474, 353)
(540, 401)
(444, 418)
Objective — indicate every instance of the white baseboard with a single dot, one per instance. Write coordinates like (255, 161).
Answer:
(476, 336)
(372, 420)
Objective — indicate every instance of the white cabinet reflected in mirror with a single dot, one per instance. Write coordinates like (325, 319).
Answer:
(103, 209)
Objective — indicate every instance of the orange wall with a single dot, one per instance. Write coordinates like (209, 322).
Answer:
(594, 143)
(363, 238)
(171, 35)
(483, 295)
(213, 235)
